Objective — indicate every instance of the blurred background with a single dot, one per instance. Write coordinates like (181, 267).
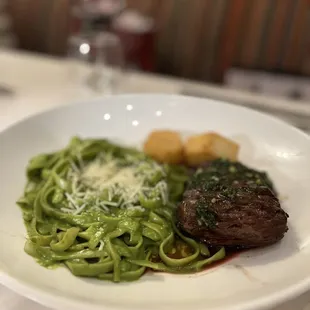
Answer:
(249, 52)
(194, 39)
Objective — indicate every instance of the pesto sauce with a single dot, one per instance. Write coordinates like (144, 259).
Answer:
(223, 174)
(205, 215)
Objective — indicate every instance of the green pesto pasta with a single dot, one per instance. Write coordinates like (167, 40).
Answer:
(108, 212)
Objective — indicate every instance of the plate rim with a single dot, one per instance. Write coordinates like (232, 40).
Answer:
(66, 105)
(52, 301)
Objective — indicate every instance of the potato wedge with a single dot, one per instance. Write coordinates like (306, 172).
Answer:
(165, 146)
(209, 146)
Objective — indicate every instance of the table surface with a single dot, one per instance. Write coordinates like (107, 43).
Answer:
(41, 83)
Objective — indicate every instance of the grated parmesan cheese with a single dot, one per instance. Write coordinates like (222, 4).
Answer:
(128, 183)
(74, 167)
(136, 208)
(66, 210)
(104, 207)
(80, 209)
(71, 200)
(101, 245)
(108, 176)
(109, 203)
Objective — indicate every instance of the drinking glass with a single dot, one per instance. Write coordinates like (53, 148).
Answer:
(96, 61)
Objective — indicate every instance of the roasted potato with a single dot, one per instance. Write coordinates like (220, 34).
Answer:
(209, 146)
(165, 146)
(197, 149)
(223, 147)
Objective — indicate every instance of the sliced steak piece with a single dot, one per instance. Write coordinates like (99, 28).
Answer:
(225, 207)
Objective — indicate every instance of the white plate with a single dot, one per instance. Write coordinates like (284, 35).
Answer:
(255, 279)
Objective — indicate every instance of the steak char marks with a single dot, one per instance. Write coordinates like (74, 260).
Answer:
(228, 204)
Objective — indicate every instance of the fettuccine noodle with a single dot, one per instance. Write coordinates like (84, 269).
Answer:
(108, 212)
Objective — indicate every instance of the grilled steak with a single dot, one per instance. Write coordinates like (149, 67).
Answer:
(228, 204)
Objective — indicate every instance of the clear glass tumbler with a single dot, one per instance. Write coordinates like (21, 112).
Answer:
(96, 61)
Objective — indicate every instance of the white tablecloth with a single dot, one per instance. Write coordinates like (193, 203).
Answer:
(42, 83)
